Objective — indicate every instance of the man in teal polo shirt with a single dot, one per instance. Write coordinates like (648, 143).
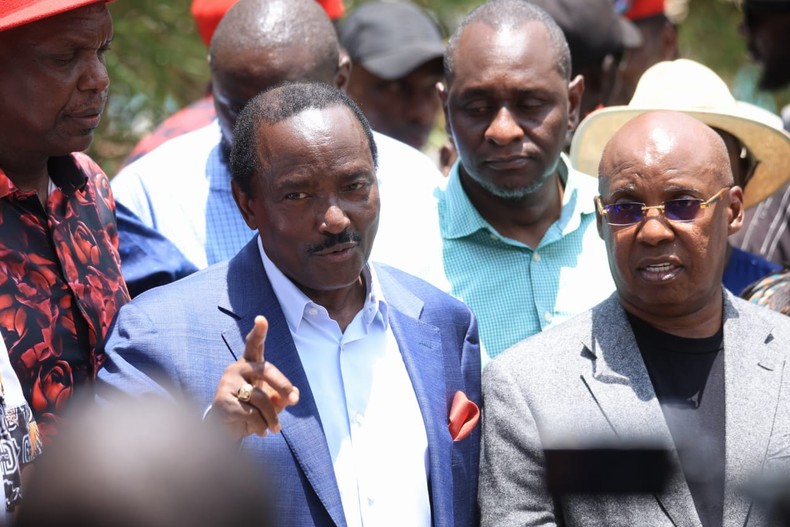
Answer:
(518, 223)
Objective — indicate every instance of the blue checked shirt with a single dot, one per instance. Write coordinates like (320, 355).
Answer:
(182, 190)
(516, 291)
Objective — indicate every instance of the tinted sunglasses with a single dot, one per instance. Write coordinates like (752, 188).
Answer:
(629, 213)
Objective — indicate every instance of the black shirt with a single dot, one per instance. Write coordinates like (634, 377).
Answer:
(688, 378)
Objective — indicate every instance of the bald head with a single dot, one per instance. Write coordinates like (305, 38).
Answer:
(666, 208)
(669, 141)
(261, 43)
(274, 27)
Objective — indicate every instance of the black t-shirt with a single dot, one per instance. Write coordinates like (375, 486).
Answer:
(688, 378)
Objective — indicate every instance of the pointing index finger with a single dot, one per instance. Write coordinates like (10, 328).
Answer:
(254, 343)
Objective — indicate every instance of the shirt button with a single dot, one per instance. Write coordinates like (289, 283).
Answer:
(548, 316)
(359, 419)
(536, 257)
(492, 235)
(312, 311)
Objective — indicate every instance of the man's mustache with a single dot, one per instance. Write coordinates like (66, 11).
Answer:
(335, 239)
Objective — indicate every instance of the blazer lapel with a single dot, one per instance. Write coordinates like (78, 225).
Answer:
(753, 379)
(621, 387)
(421, 347)
(250, 294)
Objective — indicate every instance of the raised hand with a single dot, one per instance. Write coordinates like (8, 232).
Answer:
(252, 391)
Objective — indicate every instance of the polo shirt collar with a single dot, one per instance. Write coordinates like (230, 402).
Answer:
(64, 171)
(463, 219)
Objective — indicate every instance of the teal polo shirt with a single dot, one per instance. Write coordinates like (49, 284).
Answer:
(514, 290)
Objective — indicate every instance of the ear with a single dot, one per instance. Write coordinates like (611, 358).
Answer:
(343, 70)
(735, 210)
(244, 203)
(575, 92)
(441, 89)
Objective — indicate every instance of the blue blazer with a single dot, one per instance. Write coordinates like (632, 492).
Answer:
(178, 339)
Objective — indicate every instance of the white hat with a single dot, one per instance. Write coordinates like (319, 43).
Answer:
(689, 87)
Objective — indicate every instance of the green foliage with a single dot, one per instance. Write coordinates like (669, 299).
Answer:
(156, 65)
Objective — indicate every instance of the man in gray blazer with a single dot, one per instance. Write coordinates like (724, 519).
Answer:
(670, 358)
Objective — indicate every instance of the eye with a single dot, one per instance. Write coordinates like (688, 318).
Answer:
(296, 196)
(64, 59)
(476, 107)
(531, 103)
(358, 185)
(628, 206)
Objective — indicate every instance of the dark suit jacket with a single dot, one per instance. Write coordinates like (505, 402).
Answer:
(178, 339)
(586, 379)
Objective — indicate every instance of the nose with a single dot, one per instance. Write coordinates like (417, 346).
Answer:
(655, 228)
(504, 129)
(94, 77)
(334, 220)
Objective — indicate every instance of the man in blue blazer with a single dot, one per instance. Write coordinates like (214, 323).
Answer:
(370, 375)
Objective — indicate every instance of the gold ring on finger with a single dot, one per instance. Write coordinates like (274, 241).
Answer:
(245, 393)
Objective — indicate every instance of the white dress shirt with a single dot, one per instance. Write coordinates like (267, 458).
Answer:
(367, 405)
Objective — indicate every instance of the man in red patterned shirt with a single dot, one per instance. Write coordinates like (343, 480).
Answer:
(60, 275)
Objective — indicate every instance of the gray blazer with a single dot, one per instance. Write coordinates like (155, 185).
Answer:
(587, 377)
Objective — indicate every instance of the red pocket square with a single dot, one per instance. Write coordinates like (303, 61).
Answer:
(464, 415)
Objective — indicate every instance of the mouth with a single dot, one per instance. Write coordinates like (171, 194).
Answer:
(88, 119)
(339, 251)
(508, 163)
(659, 272)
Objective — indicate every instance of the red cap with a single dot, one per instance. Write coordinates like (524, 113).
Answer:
(15, 13)
(644, 9)
(208, 13)
(334, 8)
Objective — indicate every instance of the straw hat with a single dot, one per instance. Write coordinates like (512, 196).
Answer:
(15, 13)
(688, 86)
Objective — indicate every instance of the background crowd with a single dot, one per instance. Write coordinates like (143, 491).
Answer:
(581, 247)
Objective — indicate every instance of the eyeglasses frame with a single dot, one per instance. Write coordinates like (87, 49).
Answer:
(703, 205)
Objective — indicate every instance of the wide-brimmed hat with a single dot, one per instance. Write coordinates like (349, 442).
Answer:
(15, 13)
(689, 87)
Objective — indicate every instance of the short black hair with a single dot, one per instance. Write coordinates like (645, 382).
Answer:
(511, 13)
(277, 104)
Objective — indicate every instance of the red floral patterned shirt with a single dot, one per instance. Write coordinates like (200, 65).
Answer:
(60, 283)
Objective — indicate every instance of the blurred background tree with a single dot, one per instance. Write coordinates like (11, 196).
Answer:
(158, 63)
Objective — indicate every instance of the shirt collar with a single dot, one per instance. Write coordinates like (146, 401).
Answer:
(463, 219)
(294, 302)
(65, 172)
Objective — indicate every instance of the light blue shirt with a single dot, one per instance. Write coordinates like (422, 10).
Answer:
(369, 411)
(514, 290)
(182, 189)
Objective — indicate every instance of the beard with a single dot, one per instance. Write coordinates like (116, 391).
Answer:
(514, 193)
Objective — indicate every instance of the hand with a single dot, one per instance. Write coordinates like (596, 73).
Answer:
(272, 391)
